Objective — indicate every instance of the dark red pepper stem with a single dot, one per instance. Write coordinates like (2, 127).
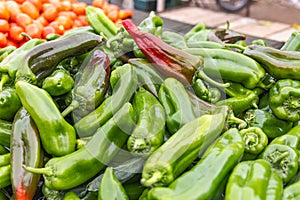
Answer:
(170, 61)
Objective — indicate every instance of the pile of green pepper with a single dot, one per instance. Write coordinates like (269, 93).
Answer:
(142, 113)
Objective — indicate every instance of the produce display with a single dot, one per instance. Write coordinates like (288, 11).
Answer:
(39, 18)
(137, 112)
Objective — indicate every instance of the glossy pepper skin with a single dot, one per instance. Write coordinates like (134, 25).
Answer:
(278, 63)
(57, 135)
(94, 156)
(228, 65)
(209, 172)
(181, 149)
(58, 83)
(5, 132)
(177, 104)
(254, 180)
(9, 103)
(149, 131)
(270, 125)
(25, 150)
(42, 60)
(169, 60)
(91, 84)
(4, 52)
(111, 187)
(71, 196)
(240, 98)
(3, 150)
(124, 85)
(203, 92)
(284, 99)
(292, 43)
(5, 179)
(291, 192)
(255, 141)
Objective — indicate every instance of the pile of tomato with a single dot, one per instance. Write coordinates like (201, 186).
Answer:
(38, 18)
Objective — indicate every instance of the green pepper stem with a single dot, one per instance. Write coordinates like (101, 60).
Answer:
(139, 144)
(4, 79)
(281, 157)
(48, 171)
(70, 108)
(156, 177)
(203, 76)
(236, 46)
(234, 120)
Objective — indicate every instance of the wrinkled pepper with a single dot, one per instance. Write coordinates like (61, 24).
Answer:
(270, 125)
(124, 85)
(278, 63)
(9, 103)
(292, 43)
(208, 173)
(225, 35)
(111, 187)
(25, 150)
(169, 60)
(58, 83)
(5, 132)
(177, 104)
(181, 149)
(227, 65)
(284, 99)
(254, 179)
(89, 160)
(148, 133)
(57, 135)
(91, 84)
(209, 94)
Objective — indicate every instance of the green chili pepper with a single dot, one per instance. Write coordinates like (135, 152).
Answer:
(42, 60)
(100, 22)
(5, 179)
(270, 125)
(58, 83)
(25, 150)
(4, 159)
(111, 187)
(174, 39)
(148, 133)
(4, 52)
(195, 29)
(91, 84)
(9, 103)
(291, 192)
(3, 150)
(254, 180)
(228, 65)
(86, 162)
(5, 132)
(181, 149)
(292, 43)
(203, 92)
(133, 190)
(255, 141)
(204, 44)
(260, 42)
(147, 75)
(57, 135)
(284, 99)
(278, 63)
(71, 196)
(209, 172)
(177, 104)
(125, 84)
(52, 36)
(240, 98)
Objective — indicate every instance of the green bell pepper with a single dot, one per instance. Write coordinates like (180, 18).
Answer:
(254, 179)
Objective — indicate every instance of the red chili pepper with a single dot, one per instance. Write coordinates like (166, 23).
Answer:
(170, 61)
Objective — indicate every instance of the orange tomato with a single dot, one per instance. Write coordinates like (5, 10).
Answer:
(70, 14)
(4, 13)
(4, 25)
(98, 3)
(77, 23)
(33, 30)
(19, 1)
(15, 33)
(47, 30)
(13, 9)
(41, 19)
(50, 13)
(3, 40)
(23, 20)
(28, 8)
(66, 22)
(83, 21)
(79, 8)
(59, 29)
(37, 3)
(65, 6)
(11, 43)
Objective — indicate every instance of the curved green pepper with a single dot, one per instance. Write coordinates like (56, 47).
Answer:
(91, 84)
(57, 135)
(25, 150)
(148, 133)
(5, 132)
(89, 160)
(111, 187)
(284, 99)
(209, 172)
(291, 192)
(292, 43)
(208, 94)
(270, 125)
(177, 104)
(58, 83)
(4, 52)
(4, 159)
(181, 149)
(254, 180)
(125, 84)
(9, 103)
(5, 179)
